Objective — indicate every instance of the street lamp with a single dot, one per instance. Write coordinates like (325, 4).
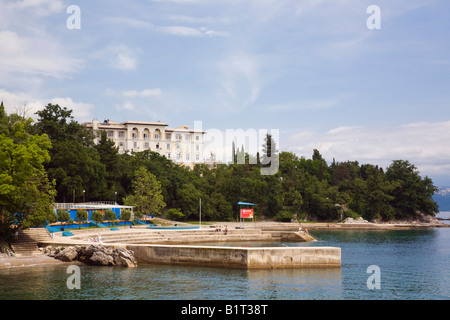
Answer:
(84, 198)
(115, 197)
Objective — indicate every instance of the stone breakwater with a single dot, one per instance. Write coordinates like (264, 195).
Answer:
(94, 255)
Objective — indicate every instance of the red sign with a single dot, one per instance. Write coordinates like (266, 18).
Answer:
(247, 213)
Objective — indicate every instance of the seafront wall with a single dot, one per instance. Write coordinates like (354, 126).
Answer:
(236, 257)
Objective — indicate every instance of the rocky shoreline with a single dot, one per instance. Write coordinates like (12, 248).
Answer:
(96, 255)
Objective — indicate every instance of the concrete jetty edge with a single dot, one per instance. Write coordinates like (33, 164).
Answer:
(238, 257)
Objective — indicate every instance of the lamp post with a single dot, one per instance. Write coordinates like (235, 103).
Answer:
(115, 197)
(84, 198)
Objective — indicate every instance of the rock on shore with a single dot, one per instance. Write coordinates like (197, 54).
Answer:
(94, 255)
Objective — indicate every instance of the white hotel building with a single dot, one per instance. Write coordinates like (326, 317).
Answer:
(181, 144)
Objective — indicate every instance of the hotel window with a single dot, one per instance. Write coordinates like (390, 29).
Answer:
(179, 137)
(157, 146)
(135, 144)
(197, 138)
(110, 134)
(121, 144)
(197, 147)
(187, 156)
(167, 136)
(121, 134)
(145, 136)
(178, 156)
(156, 135)
(134, 135)
(197, 157)
(178, 146)
(188, 137)
(168, 146)
(168, 155)
(146, 145)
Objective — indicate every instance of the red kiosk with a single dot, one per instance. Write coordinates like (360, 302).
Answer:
(245, 212)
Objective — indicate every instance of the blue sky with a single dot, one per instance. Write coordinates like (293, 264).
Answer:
(311, 69)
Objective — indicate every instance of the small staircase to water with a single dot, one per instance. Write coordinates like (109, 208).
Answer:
(26, 243)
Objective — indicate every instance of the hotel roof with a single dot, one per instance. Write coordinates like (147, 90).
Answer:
(146, 123)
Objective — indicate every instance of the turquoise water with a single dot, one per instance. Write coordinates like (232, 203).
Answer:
(413, 264)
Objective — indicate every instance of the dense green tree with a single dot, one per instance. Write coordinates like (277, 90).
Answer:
(411, 193)
(146, 196)
(109, 157)
(26, 193)
(378, 196)
(218, 208)
(75, 164)
(189, 200)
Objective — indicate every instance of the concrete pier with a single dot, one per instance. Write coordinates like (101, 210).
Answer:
(238, 257)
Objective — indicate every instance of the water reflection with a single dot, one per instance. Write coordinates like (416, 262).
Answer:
(306, 283)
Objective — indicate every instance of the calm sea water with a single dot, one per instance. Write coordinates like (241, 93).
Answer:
(413, 264)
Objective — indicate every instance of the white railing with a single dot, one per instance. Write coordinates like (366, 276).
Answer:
(83, 204)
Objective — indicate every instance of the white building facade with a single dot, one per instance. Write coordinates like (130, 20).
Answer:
(181, 144)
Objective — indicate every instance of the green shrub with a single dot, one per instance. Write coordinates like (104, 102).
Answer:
(125, 214)
(110, 215)
(81, 216)
(97, 217)
(63, 215)
(351, 214)
(174, 214)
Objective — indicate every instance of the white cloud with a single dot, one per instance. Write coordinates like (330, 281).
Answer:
(130, 22)
(135, 101)
(39, 56)
(425, 144)
(38, 7)
(305, 105)
(124, 58)
(142, 94)
(182, 31)
(21, 101)
(176, 30)
(146, 93)
(119, 56)
(127, 106)
(240, 79)
(200, 20)
(80, 111)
